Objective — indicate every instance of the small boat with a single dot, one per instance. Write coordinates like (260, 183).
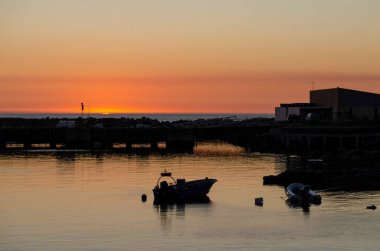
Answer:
(181, 190)
(299, 193)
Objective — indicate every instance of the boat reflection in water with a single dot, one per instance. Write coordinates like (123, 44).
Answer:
(305, 205)
(180, 191)
(172, 215)
(179, 208)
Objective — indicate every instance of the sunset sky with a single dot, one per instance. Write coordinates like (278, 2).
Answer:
(172, 56)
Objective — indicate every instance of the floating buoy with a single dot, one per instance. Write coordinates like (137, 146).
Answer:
(259, 201)
(143, 198)
(373, 207)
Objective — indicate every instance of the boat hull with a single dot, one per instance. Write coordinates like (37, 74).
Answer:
(296, 194)
(191, 191)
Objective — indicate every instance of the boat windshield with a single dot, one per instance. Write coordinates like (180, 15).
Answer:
(168, 175)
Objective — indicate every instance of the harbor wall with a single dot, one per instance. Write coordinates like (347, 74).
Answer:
(255, 136)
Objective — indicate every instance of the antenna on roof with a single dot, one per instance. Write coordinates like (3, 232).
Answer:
(312, 83)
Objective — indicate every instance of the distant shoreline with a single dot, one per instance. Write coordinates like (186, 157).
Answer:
(158, 116)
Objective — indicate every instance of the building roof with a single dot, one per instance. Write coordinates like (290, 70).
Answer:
(297, 105)
(341, 97)
(339, 89)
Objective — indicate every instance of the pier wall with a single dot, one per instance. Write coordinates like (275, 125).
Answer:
(264, 138)
(182, 139)
(329, 138)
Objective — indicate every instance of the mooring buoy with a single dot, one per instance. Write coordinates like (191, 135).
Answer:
(373, 207)
(259, 201)
(143, 198)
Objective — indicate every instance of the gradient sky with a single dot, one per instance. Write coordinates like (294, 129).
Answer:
(225, 56)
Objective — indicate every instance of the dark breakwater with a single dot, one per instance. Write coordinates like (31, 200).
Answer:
(356, 179)
(255, 135)
(92, 134)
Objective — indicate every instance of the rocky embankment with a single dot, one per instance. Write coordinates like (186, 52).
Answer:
(358, 179)
(347, 170)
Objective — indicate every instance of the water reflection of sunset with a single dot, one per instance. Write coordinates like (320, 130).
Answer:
(217, 149)
(69, 199)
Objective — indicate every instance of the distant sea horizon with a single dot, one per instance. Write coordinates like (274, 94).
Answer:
(159, 116)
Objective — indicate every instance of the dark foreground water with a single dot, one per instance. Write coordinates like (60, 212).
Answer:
(92, 202)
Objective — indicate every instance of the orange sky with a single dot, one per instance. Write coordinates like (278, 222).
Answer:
(182, 56)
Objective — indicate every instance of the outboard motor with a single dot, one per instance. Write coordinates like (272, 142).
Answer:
(305, 192)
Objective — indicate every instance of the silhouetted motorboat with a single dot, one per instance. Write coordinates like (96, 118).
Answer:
(181, 190)
(299, 193)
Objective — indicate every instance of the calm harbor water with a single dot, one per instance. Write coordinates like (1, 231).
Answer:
(84, 201)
